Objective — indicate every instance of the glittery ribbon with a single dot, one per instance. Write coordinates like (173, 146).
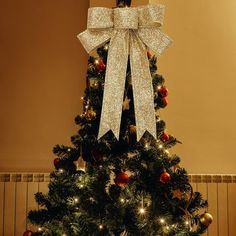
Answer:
(130, 31)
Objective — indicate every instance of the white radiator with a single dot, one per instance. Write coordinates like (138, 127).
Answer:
(17, 198)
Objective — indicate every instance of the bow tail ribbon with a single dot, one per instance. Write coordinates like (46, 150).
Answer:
(142, 87)
(114, 83)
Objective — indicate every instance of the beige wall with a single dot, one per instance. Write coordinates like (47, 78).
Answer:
(42, 77)
(200, 69)
(43, 68)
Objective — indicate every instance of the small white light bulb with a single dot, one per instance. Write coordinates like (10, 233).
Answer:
(100, 226)
(167, 151)
(40, 229)
(61, 170)
(91, 199)
(76, 200)
(122, 200)
(96, 61)
(142, 211)
(160, 146)
(162, 221)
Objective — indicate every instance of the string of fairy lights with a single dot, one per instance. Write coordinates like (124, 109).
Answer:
(142, 210)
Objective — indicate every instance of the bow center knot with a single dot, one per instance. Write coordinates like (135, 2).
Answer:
(126, 18)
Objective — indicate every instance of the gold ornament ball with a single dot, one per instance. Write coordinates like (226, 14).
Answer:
(90, 114)
(206, 219)
(94, 84)
(132, 129)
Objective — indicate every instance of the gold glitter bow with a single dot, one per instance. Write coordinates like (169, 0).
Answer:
(130, 31)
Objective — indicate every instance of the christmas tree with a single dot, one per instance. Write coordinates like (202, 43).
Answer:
(130, 185)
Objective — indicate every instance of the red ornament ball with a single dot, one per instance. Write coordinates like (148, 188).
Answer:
(121, 179)
(165, 137)
(28, 233)
(165, 177)
(163, 103)
(100, 66)
(162, 92)
(57, 162)
(91, 114)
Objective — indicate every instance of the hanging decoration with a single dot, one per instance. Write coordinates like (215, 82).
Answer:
(130, 30)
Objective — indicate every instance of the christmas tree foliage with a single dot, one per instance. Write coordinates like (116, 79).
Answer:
(127, 187)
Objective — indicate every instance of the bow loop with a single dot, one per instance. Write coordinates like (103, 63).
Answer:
(151, 16)
(100, 27)
(154, 39)
(92, 39)
(100, 18)
(126, 18)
